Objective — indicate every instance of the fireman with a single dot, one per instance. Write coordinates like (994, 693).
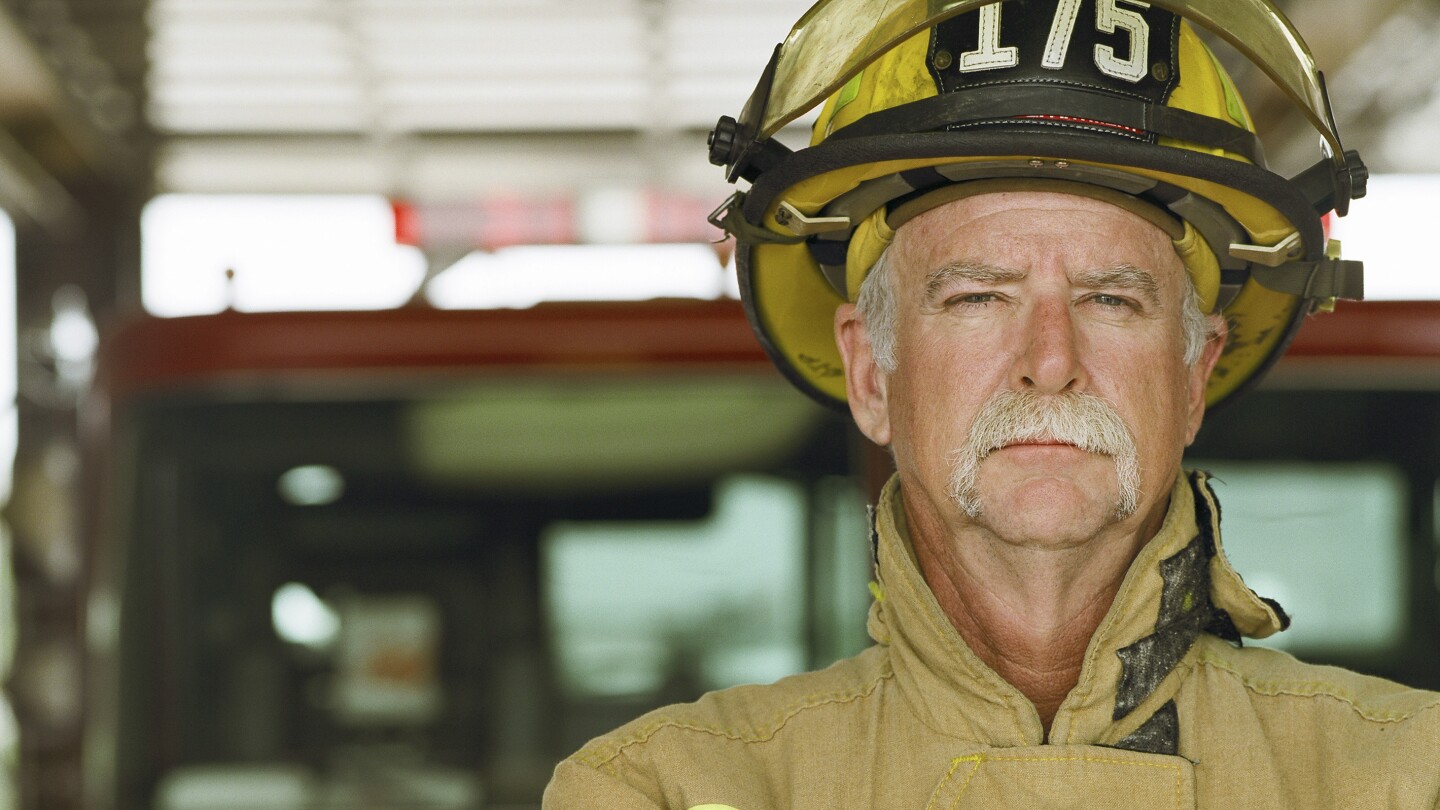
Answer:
(1029, 244)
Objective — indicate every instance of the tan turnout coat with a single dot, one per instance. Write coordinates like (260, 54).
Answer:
(1169, 712)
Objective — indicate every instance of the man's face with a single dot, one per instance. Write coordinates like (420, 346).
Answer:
(1040, 294)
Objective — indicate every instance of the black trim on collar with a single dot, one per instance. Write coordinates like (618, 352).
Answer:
(1158, 735)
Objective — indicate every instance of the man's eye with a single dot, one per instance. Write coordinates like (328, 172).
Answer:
(1110, 300)
(973, 299)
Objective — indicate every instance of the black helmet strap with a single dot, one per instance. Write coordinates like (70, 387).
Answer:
(1068, 107)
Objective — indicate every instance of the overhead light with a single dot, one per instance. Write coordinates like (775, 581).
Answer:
(287, 252)
(73, 336)
(311, 485)
(301, 617)
(521, 277)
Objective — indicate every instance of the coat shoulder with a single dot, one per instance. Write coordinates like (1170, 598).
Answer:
(748, 714)
(1265, 672)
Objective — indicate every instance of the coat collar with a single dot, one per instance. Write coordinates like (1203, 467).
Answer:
(1179, 586)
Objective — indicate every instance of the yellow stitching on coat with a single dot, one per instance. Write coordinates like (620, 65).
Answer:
(964, 786)
(601, 756)
(979, 758)
(954, 765)
(1276, 688)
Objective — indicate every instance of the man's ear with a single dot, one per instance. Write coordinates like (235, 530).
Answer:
(865, 382)
(1200, 373)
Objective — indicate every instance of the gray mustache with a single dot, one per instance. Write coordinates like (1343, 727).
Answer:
(1081, 419)
(1013, 417)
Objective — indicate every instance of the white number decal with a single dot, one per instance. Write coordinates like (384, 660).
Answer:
(1108, 17)
(1058, 44)
(990, 56)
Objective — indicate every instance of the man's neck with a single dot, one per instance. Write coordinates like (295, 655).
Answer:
(1028, 612)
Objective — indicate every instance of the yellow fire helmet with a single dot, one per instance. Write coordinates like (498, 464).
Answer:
(930, 100)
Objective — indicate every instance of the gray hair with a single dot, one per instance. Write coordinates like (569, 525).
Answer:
(878, 311)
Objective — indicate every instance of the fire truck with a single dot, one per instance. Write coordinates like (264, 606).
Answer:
(412, 558)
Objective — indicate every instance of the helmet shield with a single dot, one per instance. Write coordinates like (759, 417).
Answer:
(836, 39)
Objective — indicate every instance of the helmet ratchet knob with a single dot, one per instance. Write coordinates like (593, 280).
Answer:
(722, 141)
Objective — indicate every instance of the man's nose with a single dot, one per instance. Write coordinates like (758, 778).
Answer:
(1050, 360)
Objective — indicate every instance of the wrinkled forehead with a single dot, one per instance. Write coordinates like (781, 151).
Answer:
(1015, 229)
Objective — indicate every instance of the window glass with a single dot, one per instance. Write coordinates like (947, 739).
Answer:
(9, 355)
(256, 253)
(1327, 541)
(203, 253)
(1397, 205)
(841, 568)
(645, 609)
(9, 632)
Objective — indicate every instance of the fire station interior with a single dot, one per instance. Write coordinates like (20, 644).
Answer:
(382, 422)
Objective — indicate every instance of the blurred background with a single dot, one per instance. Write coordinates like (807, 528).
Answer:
(378, 421)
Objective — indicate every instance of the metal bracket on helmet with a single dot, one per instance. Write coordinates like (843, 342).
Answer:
(1280, 254)
(730, 218)
(792, 218)
(1321, 280)
(1329, 278)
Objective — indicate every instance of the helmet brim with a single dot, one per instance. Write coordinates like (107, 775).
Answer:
(791, 304)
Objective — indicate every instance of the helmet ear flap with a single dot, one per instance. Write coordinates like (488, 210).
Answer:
(871, 240)
(1203, 267)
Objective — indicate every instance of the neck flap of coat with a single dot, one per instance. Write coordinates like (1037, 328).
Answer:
(1179, 586)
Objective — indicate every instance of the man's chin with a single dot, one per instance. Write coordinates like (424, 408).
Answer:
(1055, 497)
(1051, 512)
(1040, 477)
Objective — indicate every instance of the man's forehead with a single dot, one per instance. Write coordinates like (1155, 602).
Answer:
(1041, 204)
(970, 232)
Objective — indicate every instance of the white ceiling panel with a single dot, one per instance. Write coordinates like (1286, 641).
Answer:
(417, 66)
